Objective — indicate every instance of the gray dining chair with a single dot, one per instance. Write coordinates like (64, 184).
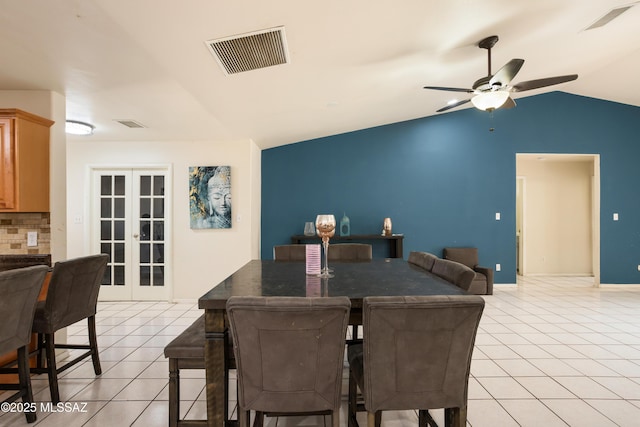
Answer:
(424, 260)
(289, 355)
(72, 297)
(415, 355)
(290, 253)
(454, 272)
(19, 290)
(350, 252)
(482, 283)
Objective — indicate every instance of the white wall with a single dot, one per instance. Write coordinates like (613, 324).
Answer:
(256, 200)
(50, 105)
(200, 258)
(557, 216)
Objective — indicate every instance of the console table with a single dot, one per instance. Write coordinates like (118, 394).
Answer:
(394, 241)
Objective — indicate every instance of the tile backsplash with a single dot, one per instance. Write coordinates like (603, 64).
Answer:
(13, 233)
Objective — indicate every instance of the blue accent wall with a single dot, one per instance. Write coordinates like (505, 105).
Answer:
(442, 178)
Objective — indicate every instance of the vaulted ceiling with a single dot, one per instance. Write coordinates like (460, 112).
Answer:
(352, 64)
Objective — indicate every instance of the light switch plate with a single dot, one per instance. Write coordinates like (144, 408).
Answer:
(497, 216)
(32, 238)
(615, 216)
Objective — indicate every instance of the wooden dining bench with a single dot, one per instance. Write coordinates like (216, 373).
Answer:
(186, 351)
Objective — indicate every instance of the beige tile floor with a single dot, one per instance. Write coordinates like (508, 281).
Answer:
(552, 351)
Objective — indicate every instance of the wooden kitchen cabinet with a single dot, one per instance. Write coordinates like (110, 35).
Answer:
(24, 161)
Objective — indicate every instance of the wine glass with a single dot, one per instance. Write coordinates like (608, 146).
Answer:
(326, 228)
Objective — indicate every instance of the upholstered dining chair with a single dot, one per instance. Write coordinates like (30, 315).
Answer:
(19, 291)
(350, 252)
(72, 296)
(289, 355)
(290, 253)
(422, 259)
(415, 355)
(482, 283)
(454, 272)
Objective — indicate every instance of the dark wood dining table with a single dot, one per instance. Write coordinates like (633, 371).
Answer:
(379, 277)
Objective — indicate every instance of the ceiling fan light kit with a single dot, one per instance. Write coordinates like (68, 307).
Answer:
(492, 91)
(489, 101)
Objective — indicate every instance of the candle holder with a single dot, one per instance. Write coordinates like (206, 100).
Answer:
(326, 228)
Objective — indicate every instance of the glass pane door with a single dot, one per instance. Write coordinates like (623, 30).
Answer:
(113, 229)
(151, 236)
(131, 224)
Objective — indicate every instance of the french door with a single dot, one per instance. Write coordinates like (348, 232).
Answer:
(131, 223)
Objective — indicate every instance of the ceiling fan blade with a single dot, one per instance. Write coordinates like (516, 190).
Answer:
(450, 89)
(509, 103)
(505, 74)
(454, 105)
(549, 81)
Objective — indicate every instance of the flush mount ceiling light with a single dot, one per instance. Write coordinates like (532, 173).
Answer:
(490, 100)
(78, 128)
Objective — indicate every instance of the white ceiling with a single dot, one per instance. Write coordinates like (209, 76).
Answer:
(354, 64)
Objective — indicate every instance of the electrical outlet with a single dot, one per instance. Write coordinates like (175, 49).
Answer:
(32, 238)
(498, 267)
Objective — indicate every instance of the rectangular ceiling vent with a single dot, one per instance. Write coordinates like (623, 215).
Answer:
(251, 51)
(131, 124)
(610, 16)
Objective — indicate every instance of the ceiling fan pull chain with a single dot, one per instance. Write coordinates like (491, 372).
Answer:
(491, 128)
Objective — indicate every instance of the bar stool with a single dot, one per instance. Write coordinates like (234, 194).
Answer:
(19, 291)
(72, 297)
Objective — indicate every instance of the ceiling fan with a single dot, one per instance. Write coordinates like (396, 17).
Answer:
(492, 92)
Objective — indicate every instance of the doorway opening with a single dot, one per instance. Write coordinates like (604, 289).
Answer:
(558, 215)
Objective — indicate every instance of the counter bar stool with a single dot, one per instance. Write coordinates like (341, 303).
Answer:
(296, 253)
(72, 297)
(416, 354)
(19, 291)
(289, 355)
(348, 252)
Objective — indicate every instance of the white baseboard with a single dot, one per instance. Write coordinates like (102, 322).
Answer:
(620, 285)
(184, 301)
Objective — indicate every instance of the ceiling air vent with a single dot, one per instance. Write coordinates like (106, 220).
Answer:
(131, 124)
(250, 51)
(613, 14)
